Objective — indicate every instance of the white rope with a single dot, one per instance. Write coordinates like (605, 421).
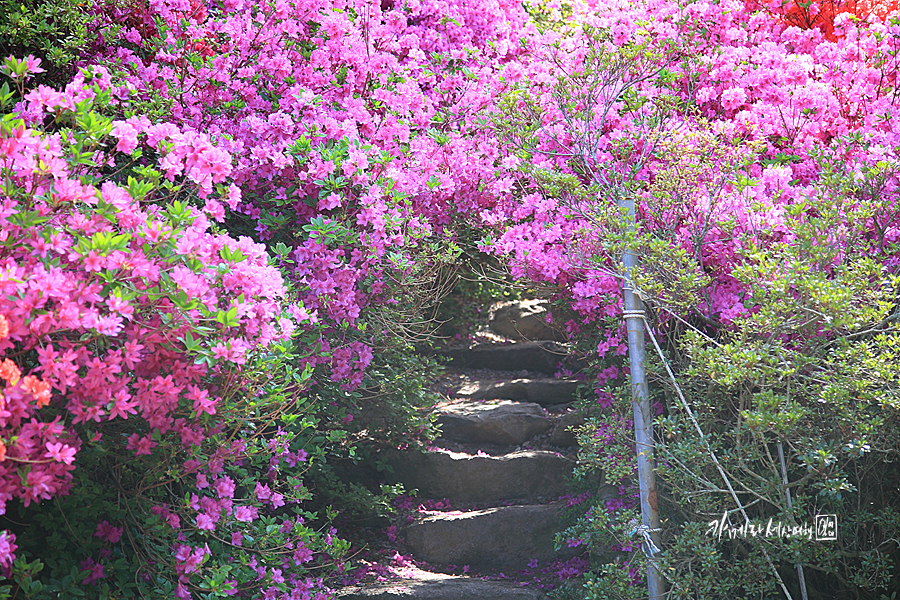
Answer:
(645, 531)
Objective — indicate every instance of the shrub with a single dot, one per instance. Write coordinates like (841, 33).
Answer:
(764, 186)
(167, 425)
(54, 30)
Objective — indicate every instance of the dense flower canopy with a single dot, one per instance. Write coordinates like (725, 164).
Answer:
(224, 176)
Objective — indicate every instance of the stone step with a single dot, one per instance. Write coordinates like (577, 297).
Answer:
(442, 587)
(505, 422)
(543, 391)
(531, 356)
(528, 475)
(524, 320)
(504, 538)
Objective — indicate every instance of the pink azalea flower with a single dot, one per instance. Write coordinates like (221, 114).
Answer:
(244, 514)
(60, 452)
(329, 202)
(205, 522)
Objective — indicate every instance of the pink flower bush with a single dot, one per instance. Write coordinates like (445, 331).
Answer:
(771, 130)
(122, 303)
(370, 86)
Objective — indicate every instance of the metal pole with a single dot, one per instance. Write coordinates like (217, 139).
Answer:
(643, 417)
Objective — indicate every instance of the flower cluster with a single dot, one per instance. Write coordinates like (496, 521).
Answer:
(127, 308)
(355, 131)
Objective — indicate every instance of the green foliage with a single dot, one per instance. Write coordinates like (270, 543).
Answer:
(395, 398)
(478, 283)
(392, 407)
(54, 30)
(602, 83)
(546, 16)
(809, 370)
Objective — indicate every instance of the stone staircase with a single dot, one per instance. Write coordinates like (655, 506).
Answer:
(502, 462)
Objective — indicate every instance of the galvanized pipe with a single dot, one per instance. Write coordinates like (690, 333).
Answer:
(643, 416)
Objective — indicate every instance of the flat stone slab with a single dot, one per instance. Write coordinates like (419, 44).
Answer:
(443, 588)
(530, 356)
(524, 320)
(495, 421)
(528, 475)
(541, 391)
(504, 538)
